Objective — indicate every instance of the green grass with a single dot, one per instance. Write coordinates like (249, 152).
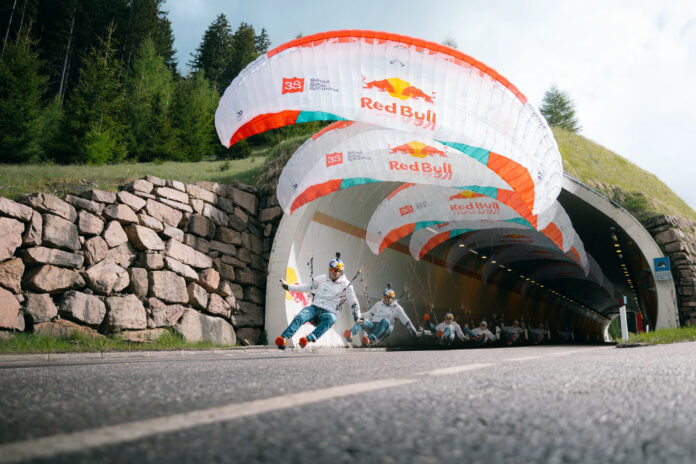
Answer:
(682, 334)
(18, 180)
(637, 190)
(22, 343)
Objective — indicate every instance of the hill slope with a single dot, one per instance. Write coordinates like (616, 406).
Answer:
(637, 190)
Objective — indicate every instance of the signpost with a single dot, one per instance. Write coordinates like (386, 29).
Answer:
(662, 269)
(622, 317)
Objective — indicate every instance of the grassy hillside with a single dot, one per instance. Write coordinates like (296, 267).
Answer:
(640, 192)
(17, 180)
(637, 190)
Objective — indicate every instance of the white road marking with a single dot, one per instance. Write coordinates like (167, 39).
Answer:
(50, 446)
(524, 358)
(455, 369)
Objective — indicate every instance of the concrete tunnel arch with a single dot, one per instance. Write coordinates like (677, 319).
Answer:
(337, 223)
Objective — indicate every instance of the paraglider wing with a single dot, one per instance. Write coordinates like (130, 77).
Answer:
(400, 83)
(413, 207)
(424, 240)
(348, 154)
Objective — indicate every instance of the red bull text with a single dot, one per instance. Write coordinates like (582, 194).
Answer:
(404, 210)
(475, 208)
(443, 172)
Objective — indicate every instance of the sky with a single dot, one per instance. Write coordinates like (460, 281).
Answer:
(629, 66)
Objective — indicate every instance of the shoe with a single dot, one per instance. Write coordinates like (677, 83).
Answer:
(426, 318)
(366, 340)
(348, 336)
(304, 341)
(280, 343)
(440, 334)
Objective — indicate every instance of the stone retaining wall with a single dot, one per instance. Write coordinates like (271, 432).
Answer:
(675, 236)
(156, 254)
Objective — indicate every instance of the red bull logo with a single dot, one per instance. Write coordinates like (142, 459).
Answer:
(293, 85)
(475, 207)
(399, 88)
(404, 210)
(443, 172)
(515, 238)
(465, 194)
(417, 149)
(332, 159)
(297, 297)
(442, 224)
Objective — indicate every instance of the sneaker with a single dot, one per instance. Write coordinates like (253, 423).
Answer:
(366, 340)
(348, 335)
(280, 343)
(304, 341)
(426, 318)
(440, 334)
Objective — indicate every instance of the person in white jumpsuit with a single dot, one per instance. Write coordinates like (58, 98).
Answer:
(446, 330)
(331, 292)
(378, 322)
(481, 335)
(512, 333)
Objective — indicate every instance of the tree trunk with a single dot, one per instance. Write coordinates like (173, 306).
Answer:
(7, 32)
(61, 91)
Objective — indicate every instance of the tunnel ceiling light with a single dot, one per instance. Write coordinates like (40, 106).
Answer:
(484, 256)
(493, 261)
(461, 245)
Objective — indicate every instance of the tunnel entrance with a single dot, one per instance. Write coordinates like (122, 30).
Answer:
(475, 288)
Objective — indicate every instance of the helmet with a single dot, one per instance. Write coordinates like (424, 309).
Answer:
(449, 317)
(389, 292)
(336, 263)
(484, 323)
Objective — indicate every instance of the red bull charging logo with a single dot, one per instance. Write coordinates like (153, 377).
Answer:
(297, 297)
(421, 150)
(417, 149)
(401, 90)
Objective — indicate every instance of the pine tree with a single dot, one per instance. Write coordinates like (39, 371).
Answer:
(244, 43)
(193, 112)
(149, 90)
(20, 100)
(263, 43)
(559, 110)
(214, 54)
(93, 126)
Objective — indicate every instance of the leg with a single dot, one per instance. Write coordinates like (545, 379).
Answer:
(367, 325)
(348, 334)
(447, 337)
(327, 319)
(380, 330)
(304, 316)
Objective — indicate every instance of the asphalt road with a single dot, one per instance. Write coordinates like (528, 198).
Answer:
(551, 404)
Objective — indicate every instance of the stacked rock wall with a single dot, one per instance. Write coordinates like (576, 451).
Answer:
(156, 254)
(677, 239)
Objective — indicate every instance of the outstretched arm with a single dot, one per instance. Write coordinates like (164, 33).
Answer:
(353, 302)
(401, 315)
